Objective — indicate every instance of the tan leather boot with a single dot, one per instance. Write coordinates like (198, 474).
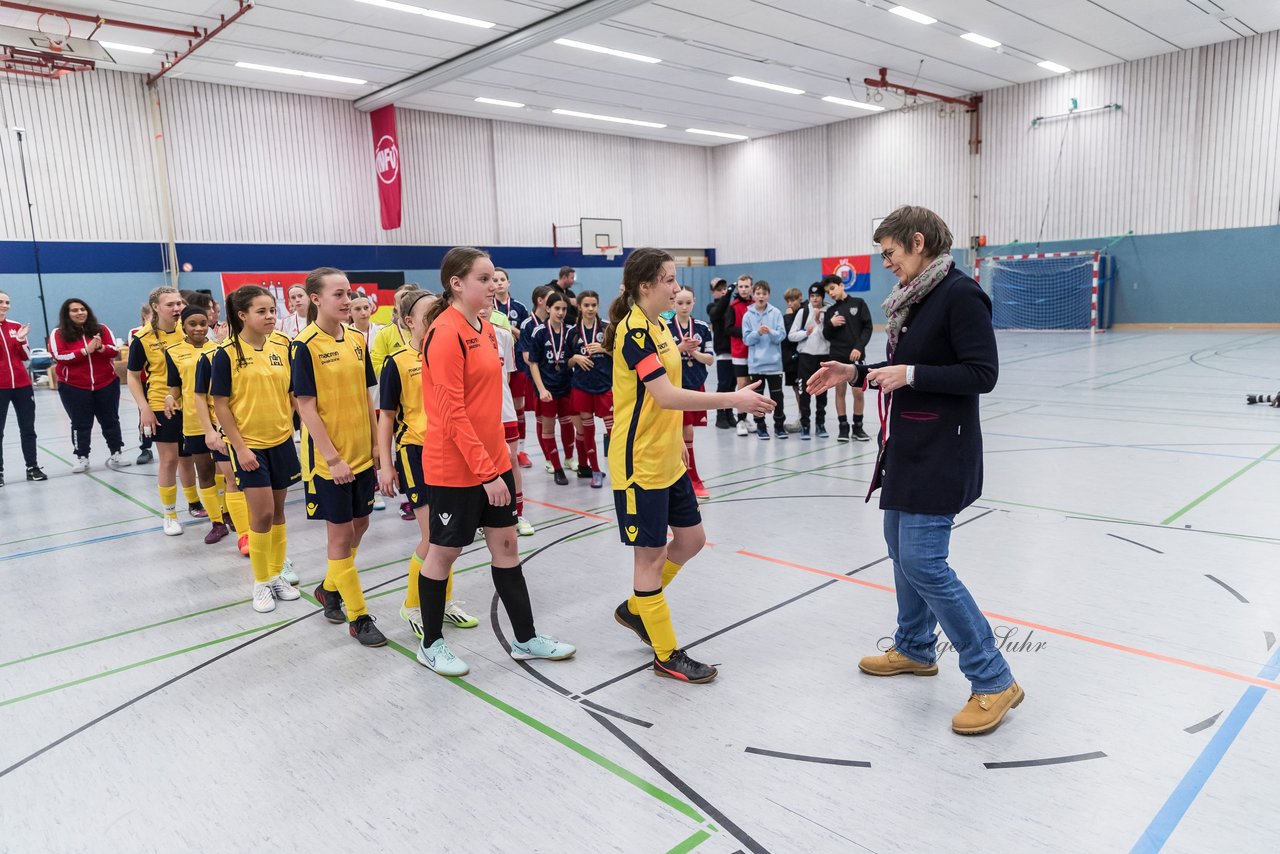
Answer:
(894, 663)
(984, 712)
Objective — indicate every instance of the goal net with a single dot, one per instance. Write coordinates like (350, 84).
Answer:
(1051, 290)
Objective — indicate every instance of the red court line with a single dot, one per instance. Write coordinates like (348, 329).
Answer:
(1119, 647)
(528, 500)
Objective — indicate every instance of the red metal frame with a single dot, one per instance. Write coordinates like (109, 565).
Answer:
(172, 60)
(100, 21)
(972, 104)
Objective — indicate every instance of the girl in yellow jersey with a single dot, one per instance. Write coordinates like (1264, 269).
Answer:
(332, 378)
(249, 382)
(146, 354)
(651, 487)
(182, 359)
(402, 420)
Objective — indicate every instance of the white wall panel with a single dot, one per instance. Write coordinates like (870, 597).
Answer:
(89, 158)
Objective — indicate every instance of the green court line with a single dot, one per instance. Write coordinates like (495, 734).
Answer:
(577, 747)
(136, 664)
(74, 531)
(96, 479)
(691, 843)
(1206, 495)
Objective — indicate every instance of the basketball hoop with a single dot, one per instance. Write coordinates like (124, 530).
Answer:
(56, 32)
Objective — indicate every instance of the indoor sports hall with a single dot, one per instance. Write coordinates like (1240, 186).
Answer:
(1055, 227)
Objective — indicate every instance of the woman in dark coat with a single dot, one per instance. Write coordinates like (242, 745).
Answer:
(941, 356)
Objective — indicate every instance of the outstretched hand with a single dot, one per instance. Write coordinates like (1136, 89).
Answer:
(747, 399)
(829, 375)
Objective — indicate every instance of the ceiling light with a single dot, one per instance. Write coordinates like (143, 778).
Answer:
(861, 105)
(1053, 66)
(497, 102)
(715, 133)
(127, 48)
(253, 66)
(430, 13)
(614, 119)
(913, 15)
(598, 49)
(982, 40)
(774, 86)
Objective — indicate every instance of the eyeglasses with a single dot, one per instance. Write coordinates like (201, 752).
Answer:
(887, 255)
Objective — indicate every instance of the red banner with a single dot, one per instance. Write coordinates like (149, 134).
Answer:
(854, 271)
(382, 295)
(386, 163)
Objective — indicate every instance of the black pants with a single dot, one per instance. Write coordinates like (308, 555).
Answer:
(83, 406)
(808, 367)
(773, 382)
(725, 381)
(24, 406)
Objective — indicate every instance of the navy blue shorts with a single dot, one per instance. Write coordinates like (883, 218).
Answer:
(645, 514)
(168, 427)
(278, 467)
(192, 445)
(339, 503)
(409, 472)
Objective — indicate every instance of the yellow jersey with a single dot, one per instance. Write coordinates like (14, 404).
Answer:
(400, 392)
(338, 374)
(182, 360)
(257, 390)
(389, 339)
(647, 442)
(146, 354)
(204, 376)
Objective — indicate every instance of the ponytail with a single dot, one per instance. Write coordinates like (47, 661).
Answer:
(643, 267)
(153, 301)
(457, 263)
(314, 285)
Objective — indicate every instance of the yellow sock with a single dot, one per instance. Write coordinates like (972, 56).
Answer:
(669, 571)
(448, 586)
(411, 600)
(260, 554)
(209, 497)
(191, 494)
(220, 483)
(278, 542)
(657, 622)
(331, 573)
(169, 500)
(238, 507)
(348, 583)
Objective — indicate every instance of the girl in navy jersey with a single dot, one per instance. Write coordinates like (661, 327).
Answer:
(549, 353)
(693, 340)
(592, 382)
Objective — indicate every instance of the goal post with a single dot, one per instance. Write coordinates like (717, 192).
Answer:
(1043, 290)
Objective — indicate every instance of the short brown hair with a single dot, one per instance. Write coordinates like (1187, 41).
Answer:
(760, 285)
(904, 223)
(792, 293)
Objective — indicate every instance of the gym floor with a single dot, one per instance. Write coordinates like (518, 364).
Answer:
(1125, 551)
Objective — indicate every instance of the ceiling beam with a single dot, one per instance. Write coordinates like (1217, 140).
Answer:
(547, 30)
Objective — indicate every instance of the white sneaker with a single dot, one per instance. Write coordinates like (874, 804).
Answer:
(287, 573)
(412, 616)
(81, 466)
(742, 428)
(263, 600)
(117, 461)
(568, 464)
(523, 528)
(282, 589)
(172, 527)
(378, 503)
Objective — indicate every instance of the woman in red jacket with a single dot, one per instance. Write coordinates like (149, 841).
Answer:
(84, 353)
(15, 388)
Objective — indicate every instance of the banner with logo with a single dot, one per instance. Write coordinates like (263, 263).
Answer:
(853, 270)
(379, 286)
(386, 163)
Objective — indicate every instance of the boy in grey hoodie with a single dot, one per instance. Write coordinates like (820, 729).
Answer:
(762, 332)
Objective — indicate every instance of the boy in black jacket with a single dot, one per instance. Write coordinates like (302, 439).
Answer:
(847, 327)
(720, 339)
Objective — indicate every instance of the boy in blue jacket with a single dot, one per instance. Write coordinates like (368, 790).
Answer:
(762, 332)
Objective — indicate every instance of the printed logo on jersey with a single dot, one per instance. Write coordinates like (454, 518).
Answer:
(632, 533)
(359, 352)
(638, 337)
(445, 518)
(413, 498)
(275, 361)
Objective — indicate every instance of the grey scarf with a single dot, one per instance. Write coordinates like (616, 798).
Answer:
(903, 297)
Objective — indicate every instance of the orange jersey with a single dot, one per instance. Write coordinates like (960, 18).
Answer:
(464, 443)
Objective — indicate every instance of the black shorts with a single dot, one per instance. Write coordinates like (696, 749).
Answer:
(339, 503)
(457, 511)
(168, 427)
(789, 375)
(278, 467)
(192, 445)
(645, 514)
(740, 370)
(409, 473)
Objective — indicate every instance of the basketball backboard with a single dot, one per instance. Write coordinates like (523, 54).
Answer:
(601, 237)
(73, 48)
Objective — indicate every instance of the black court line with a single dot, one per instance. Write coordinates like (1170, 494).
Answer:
(1136, 543)
(1052, 760)
(1204, 724)
(612, 713)
(800, 757)
(1227, 587)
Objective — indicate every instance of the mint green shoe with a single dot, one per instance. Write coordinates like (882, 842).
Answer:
(441, 659)
(287, 573)
(541, 646)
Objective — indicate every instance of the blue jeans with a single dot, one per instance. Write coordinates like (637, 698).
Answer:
(930, 593)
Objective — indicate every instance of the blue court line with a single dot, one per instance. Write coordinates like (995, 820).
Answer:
(1171, 814)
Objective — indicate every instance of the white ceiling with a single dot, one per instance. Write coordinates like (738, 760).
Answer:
(812, 45)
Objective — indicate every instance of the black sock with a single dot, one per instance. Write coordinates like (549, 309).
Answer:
(857, 421)
(844, 420)
(431, 595)
(514, 593)
(742, 416)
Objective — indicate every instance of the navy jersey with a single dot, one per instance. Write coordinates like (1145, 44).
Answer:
(694, 374)
(599, 379)
(524, 341)
(514, 310)
(550, 352)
